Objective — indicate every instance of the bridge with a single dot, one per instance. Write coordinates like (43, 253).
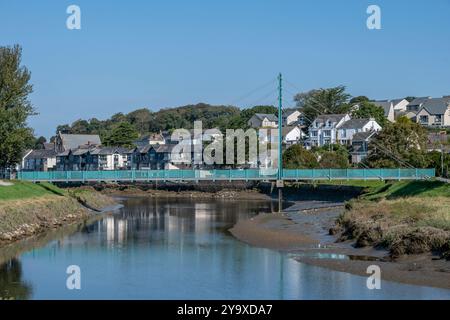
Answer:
(227, 175)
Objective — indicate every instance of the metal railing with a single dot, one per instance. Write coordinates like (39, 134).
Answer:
(227, 175)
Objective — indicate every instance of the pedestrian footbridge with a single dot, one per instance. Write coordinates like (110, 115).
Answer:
(226, 175)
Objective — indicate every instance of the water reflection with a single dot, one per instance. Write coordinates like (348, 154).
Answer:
(12, 286)
(180, 249)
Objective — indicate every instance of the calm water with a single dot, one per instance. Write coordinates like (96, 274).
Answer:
(179, 249)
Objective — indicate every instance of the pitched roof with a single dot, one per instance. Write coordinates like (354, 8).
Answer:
(269, 116)
(73, 141)
(287, 129)
(112, 150)
(418, 101)
(165, 148)
(151, 136)
(363, 136)
(41, 154)
(287, 113)
(49, 146)
(386, 105)
(436, 105)
(354, 124)
(329, 117)
(397, 101)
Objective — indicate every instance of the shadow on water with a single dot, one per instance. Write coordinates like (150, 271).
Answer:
(12, 286)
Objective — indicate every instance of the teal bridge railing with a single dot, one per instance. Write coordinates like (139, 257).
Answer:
(227, 175)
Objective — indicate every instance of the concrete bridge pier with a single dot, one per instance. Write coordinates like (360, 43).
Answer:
(280, 185)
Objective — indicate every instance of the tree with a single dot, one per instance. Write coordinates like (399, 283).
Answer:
(333, 160)
(141, 119)
(297, 157)
(122, 136)
(332, 156)
(15, 106)
(323, 101)
(39, 143)
(440, 161)
(399, 144)
(358, 99)
(369, 110)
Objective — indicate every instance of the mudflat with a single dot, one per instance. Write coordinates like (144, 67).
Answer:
(305, 234)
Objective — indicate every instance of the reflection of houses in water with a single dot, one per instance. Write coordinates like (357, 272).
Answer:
(202, 217)
(116, 229)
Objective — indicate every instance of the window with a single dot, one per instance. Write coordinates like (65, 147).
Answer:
(327, 133)
(344, 133)
(438, 119)
(423, 119)
(314, 133)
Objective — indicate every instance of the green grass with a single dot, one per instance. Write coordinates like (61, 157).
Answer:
(370, 184)
(404, 189)
(24, 190)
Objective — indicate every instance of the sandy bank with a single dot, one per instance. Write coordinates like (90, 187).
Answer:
(304, 234)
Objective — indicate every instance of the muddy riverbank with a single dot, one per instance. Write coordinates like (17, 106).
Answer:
(305, 235)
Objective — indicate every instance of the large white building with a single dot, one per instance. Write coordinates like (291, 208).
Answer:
(351, 127)
(324, 129)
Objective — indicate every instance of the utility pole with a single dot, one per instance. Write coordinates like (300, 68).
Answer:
(280, 142)
(442, 161)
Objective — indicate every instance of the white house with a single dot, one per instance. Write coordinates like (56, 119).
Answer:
(292, 117)
(263, 120)
(435, 112)
(399, 104)
(110, 158)
(353, 126)
(388, 107)
(150, 139)
(292, 135)
(323, 130)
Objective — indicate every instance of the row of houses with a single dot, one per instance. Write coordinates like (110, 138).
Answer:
(74, 152)
(427, 111)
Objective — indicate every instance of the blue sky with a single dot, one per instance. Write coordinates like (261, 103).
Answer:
(132, 54)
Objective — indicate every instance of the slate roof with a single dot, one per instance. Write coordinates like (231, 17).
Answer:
(329, 117)
(165, 148)
(49, 146)
(287, 129)
(436, 105)
(418, 101)
(269, 116)
(386, 105)
(354, 124)
(287, 113)
(363, 136)
(73, 141)
(41, 154)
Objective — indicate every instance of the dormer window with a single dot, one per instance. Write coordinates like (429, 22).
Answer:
(328, 123)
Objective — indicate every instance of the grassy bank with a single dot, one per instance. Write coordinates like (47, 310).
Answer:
(27, 209)
(403, 217)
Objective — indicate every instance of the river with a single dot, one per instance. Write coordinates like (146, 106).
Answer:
(177, 249)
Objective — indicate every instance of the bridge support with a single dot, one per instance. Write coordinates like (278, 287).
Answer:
(280, 185)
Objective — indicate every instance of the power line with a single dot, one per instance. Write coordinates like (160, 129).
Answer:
(251, 92)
